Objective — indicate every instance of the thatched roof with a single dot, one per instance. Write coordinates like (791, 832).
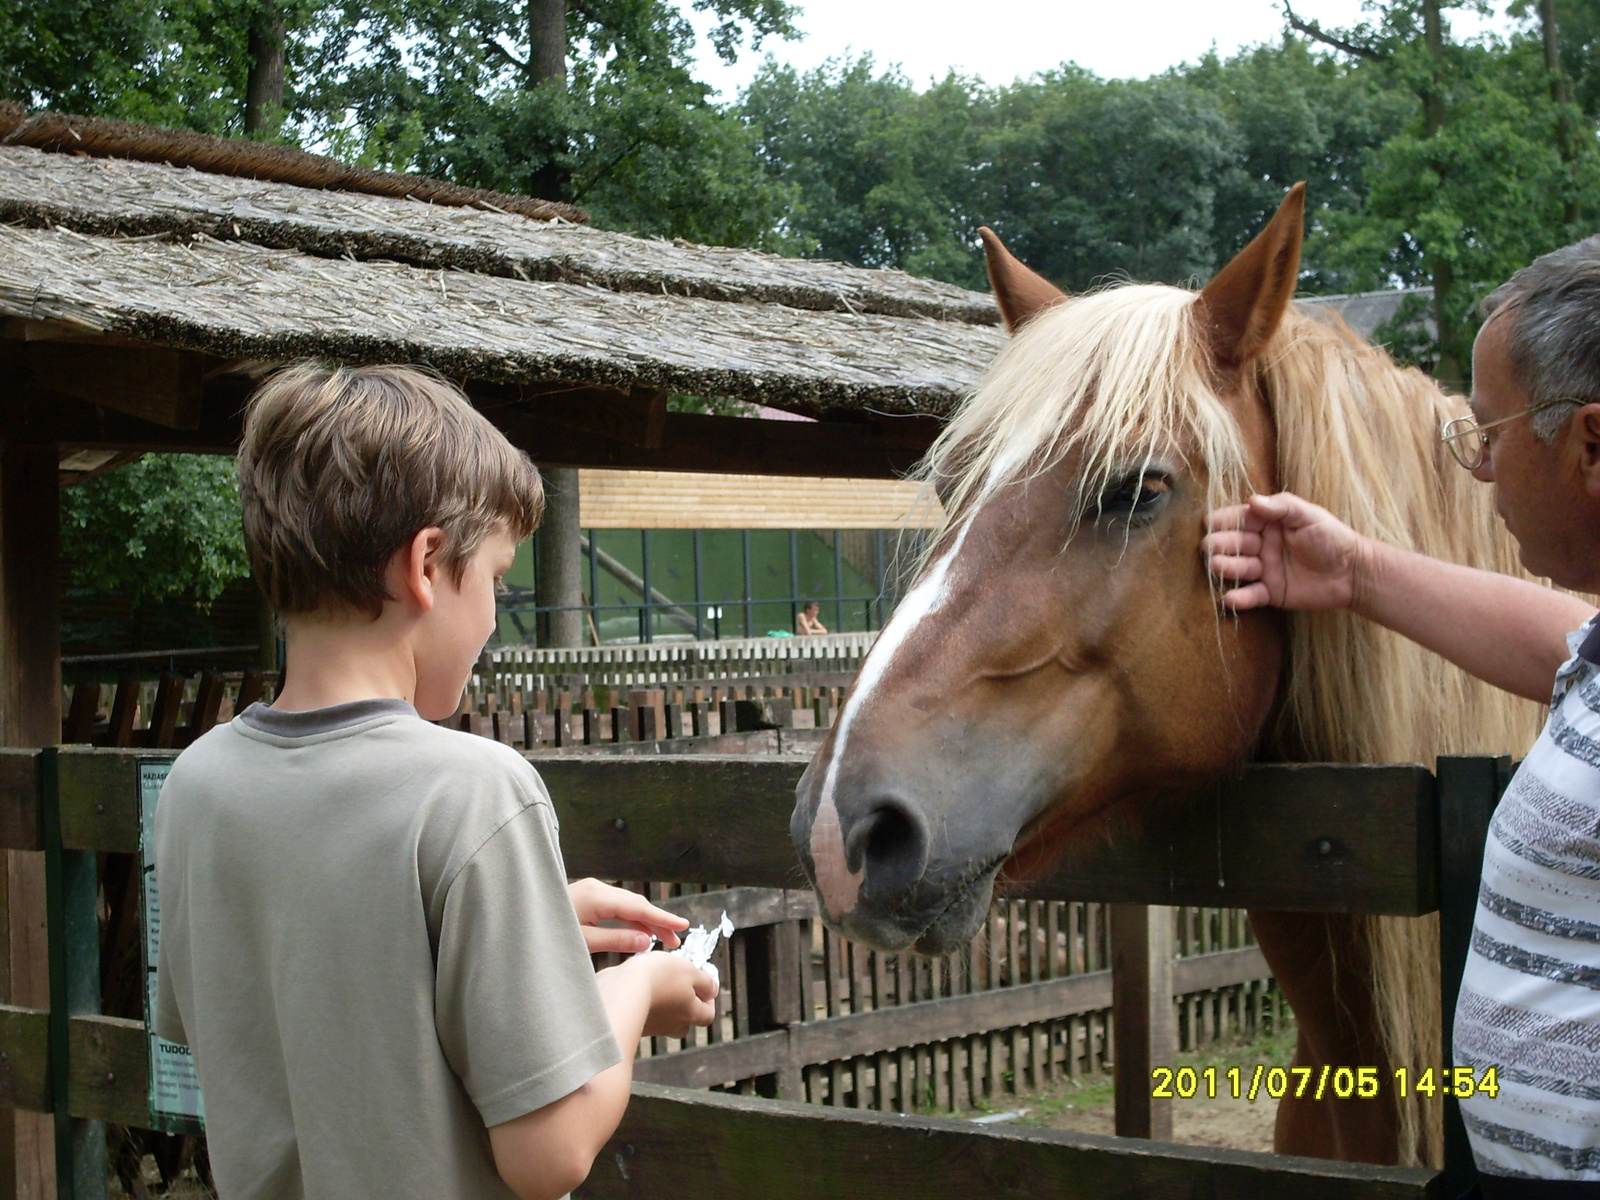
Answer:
(245, 251)
(104, 138)
(240, 300)
(197, 260)
(112, 197)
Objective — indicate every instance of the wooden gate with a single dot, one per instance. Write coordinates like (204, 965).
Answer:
(1380, 839)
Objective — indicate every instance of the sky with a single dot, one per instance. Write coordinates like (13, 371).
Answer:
(1006, 39)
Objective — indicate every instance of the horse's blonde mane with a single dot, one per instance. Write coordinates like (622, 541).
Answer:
(1119, 377)
(1111, 380)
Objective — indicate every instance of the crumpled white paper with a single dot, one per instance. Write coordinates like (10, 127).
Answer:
(699, 944)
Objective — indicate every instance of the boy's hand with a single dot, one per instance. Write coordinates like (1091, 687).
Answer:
(594, 902)
(680, 993)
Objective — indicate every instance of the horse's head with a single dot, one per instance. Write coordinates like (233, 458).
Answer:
(1061, 656)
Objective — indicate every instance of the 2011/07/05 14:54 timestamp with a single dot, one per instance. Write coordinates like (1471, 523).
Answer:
(1343, 1083)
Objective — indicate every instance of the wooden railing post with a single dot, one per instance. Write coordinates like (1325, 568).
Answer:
(1469, 790)
(72, 890)
(1141, 1014)
(772, 997)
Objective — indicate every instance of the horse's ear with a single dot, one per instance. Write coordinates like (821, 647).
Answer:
(1021, 293)
(1241, 307)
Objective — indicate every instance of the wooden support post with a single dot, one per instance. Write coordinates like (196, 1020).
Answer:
(560, 560)
(773, 1001)
(30, 715)
(1141, 1011)
(72, 887)
(1469, 790)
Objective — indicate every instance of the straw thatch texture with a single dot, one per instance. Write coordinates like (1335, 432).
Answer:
(102, 137)
(241, 300)
(113, 196)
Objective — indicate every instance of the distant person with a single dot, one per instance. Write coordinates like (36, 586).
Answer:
(368, 939)
(808, 622)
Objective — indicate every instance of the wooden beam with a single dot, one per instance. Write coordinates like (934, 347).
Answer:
(682, 1143)
(637, 417)
(154, 399)
(1297, 838)
(153, 383)
(556, 430)
(1311, 838)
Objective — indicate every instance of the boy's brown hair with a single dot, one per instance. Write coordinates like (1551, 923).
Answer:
(340, 467)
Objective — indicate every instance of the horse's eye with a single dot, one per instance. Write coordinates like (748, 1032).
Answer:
(1136, 497)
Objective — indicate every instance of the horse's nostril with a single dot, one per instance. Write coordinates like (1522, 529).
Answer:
(890, 843)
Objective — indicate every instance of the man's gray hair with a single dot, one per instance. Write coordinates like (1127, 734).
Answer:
(1554, 309)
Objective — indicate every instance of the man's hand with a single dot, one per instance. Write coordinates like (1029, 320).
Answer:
(640, 920)
(1285, 552)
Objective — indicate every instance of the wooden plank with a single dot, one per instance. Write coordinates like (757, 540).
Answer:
(19, 800)
(646, 817)
(108, 1077)
(99, 799)
(1311, 838)
(1141, 986)
(747, 908)
(1219, 969)
(683, 1143)
(25, 1057)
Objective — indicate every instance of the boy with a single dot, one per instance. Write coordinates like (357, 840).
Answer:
(368, 939)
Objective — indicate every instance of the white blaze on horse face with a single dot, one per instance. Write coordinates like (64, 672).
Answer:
(837, 884)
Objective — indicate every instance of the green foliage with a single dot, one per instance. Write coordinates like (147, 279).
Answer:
(162, 527)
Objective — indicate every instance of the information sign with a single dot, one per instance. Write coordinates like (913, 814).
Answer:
(176, 1105)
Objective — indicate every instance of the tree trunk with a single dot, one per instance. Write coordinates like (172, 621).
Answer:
(560, 582)
(547, 42)
(547, 67)
(1566, 138)
(1448, 370)
(263, 93)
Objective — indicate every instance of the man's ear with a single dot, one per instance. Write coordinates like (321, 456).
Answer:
(1585, 428)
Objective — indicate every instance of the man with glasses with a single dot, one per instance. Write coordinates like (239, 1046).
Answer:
(1530, 995)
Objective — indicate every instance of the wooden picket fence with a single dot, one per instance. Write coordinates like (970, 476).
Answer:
(1025, 1006)
(504, 669)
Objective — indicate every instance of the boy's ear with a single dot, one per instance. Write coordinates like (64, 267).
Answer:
(417, 568)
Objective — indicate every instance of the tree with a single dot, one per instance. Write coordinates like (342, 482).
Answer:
(881, 175)
(1477, 183)
(165, 528)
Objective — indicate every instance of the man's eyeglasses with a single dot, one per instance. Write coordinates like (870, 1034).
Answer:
(1469, 444)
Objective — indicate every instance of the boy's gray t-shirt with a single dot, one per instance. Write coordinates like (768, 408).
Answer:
(367, 942)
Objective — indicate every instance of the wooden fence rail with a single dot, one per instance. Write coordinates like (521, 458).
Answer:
(1319, 838)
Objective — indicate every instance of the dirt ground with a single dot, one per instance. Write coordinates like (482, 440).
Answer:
(1202, 1121)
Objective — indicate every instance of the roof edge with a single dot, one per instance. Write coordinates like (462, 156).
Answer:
(103, 137)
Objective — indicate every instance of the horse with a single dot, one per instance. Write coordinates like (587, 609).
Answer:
(1061, 665)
